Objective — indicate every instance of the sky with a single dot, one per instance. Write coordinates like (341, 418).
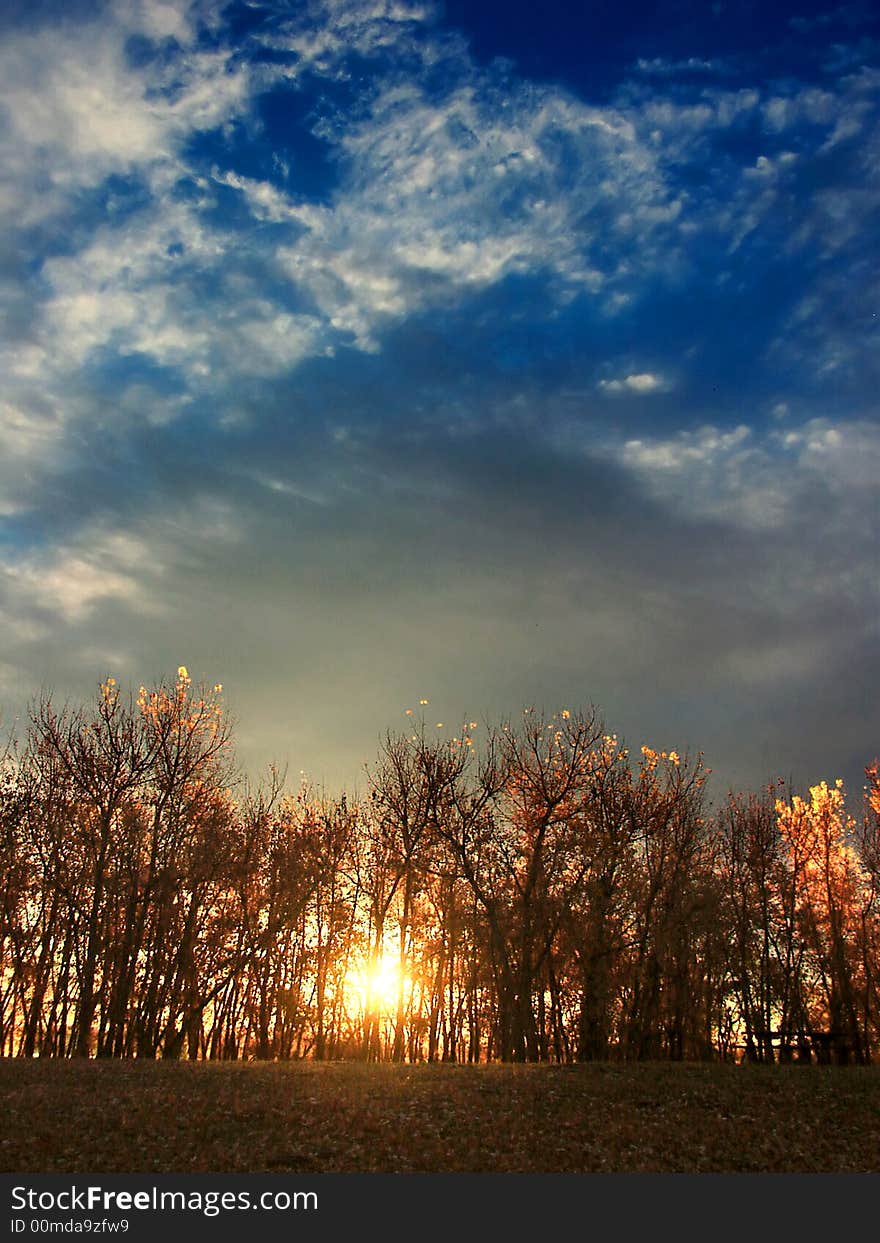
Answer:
(360, 352)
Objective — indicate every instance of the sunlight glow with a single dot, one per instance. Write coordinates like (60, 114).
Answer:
(376, 988)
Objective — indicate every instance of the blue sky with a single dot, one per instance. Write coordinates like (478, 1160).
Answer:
(363, 351)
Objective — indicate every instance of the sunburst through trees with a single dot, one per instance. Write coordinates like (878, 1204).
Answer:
(529, 892)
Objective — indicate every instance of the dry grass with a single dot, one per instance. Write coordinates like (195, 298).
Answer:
(131, 1117)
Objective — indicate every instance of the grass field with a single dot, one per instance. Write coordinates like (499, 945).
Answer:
(173, 1117)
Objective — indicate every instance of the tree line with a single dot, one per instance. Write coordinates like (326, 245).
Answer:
(523, 892)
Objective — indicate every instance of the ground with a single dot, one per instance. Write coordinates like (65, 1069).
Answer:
(178, 1117)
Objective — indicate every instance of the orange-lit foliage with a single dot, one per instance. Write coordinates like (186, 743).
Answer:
(830, 892)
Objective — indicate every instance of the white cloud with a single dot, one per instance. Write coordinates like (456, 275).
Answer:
(136, 566)
(666, 68)
(162, 19)
(70, 582)
(642, 383)
(78, 110)
(461, 193)
(328, 31)
(762, 481)
(438, 195)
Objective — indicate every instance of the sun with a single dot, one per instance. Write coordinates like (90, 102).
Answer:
(377, 987)
(384, 982)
